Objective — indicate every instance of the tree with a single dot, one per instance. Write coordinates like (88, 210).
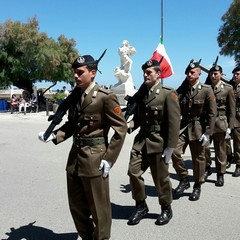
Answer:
(229, 33)
(27, 56)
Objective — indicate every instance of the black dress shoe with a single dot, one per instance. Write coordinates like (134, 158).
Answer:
(182, 186)
(220, 180)
(237, 171)
(138, 214)
(165, 216)
(195, 195)
(207, 173)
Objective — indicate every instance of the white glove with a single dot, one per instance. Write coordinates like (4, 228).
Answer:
(105, 165)
(167, 154)
(204, 139)
(228, 132)
(50, 138)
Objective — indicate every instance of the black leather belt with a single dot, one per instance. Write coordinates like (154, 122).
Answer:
(81, 142)
(151, 128)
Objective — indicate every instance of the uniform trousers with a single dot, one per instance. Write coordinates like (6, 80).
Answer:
(236, 145)
(198, 159)
(220, 148)
(139, 163)
(229, 147)
(90, 206)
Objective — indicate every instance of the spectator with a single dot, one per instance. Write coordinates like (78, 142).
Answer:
(14, 102)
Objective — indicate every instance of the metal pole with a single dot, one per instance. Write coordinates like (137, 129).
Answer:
(162, 21)
(47, 107)
(162, 17)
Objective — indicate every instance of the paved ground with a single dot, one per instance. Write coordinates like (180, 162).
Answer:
(34, 199)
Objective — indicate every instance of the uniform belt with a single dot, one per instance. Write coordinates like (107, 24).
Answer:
(221, 113)
(151, 128)
(191, 119)
(81, 142)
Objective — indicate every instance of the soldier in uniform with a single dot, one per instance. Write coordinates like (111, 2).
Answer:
(198, 110)
(236, 130)
(223, 126)
(92, 154)
(158, 116)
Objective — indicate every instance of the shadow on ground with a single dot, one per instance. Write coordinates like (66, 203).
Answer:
(31, 232)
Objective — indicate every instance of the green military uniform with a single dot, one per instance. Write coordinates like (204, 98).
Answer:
(89, 124)
(236, 130)
(198, 110)
(158, 116)
(225, 119)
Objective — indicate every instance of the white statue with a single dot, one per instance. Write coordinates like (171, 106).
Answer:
(123, 73)
(124, 52)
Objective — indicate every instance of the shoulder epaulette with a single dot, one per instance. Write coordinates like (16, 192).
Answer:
(105, 90)
(227, 84)
(206, 85)
(167, 87)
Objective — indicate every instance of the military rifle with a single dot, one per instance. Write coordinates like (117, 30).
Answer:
(132, 101)
(206, 70)
(71, 100)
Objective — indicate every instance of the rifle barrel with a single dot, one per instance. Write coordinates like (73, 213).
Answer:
(206, 70)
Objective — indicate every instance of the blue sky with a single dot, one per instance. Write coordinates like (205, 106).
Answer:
(190, 31)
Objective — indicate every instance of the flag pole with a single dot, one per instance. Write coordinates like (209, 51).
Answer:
(162, 17)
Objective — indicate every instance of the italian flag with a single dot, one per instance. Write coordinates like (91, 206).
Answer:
(165, 64)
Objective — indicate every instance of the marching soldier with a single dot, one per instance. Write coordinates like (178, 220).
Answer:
(158, 116)
(236, 130)
(198, 110)
(92, 155)
(223, 126)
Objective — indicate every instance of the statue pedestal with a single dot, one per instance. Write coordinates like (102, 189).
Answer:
(122, 90)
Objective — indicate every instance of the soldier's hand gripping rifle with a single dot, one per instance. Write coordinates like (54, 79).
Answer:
(71, 100)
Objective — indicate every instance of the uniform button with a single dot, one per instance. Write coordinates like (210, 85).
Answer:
(77, 145)
(78, 124)
(79, 114)
(78, 134)
(146, 121)
(146, 114)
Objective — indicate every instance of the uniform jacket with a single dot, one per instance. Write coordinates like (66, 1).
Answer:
(160, 108)
(198, 110)
(93, 118)
(225, 107)
(237, 97)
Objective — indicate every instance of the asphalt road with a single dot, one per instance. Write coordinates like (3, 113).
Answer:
(34, 198)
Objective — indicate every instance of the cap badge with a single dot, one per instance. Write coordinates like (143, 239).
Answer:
(81, 60)
(149, 63)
